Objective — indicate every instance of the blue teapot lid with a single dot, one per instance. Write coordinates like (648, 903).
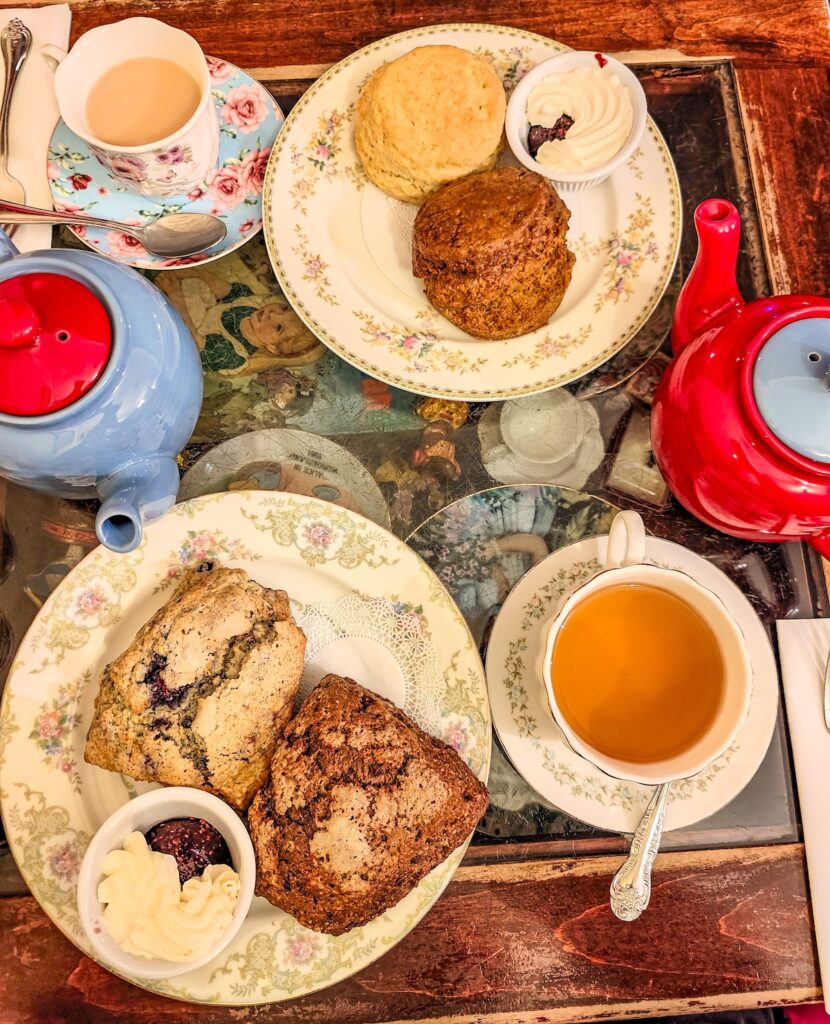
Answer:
(791, 384)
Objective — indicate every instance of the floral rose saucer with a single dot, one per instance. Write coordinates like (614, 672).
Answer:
(249, 120)
(533, 741)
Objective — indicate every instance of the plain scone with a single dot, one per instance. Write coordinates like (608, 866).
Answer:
(201, 695)
(430, 116)
(361, 805)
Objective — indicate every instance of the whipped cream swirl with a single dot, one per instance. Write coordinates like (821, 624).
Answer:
(151, 914)
(602, 114)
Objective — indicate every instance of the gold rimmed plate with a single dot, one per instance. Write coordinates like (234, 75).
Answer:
(340, 247)
(337, 567)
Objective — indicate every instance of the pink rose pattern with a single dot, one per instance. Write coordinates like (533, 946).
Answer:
(131, 167)
(318, 535)
(303, 948)
(252, 170)
(88, 602)
(52, 732)
(65, 860)
(245, 108)
(225, 187)
(237, 183)
(124, 246)
(199, 546)
(457, 736)
(220, 70)
(67, 207)
(174, 155)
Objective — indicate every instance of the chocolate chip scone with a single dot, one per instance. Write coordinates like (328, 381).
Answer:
(201, 695)
(361, 805)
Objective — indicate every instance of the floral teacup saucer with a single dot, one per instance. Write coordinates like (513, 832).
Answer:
(537, 748)
(249, 120)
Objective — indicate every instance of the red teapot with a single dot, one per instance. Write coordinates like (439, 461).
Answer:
(740, 425)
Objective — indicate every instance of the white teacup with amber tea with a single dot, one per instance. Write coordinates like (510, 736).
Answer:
(138, 93)
(645, 671)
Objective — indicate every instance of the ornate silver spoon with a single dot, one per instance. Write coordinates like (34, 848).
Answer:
(631, 886)
(174, 234)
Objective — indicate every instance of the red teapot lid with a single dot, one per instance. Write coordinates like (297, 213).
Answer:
(55, 340)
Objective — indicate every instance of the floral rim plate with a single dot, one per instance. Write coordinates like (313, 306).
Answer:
(533, 741)
(52, 801)
(249, 119)
(341, 248)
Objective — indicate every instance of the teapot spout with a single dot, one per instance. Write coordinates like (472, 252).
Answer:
(711, 288)
(137, 494)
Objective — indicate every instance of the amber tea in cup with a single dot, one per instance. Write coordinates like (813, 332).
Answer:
(637, 673)
(141, 101)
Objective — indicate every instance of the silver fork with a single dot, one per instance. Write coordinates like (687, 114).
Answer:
(15, 43)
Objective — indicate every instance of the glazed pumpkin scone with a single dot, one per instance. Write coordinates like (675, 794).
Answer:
(201, 695)
(493, 252)
(361, 805)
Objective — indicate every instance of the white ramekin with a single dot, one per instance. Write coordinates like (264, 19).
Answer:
(139, 815)
(517, 124)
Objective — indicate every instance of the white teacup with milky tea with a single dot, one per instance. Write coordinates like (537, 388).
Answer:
(108, 90)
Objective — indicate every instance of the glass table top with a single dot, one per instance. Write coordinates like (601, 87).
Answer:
(281, 411)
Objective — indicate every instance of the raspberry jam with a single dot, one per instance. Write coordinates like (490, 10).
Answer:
(193, 842)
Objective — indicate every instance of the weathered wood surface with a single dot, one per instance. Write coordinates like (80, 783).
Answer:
(280, 33)
(785, 113)
(507, 943)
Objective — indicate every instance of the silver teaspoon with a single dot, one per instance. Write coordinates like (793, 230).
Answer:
(174, 234)
(631, 886)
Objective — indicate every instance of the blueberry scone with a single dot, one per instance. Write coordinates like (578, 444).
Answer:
(361, 805)
(201, 695)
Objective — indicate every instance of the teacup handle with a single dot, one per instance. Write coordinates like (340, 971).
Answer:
(626, 541)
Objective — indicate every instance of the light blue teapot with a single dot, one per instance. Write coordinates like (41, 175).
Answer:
(100, 386)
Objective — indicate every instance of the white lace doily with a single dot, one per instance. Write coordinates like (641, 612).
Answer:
(385, 647)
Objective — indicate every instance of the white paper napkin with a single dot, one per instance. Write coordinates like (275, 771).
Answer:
(804, 645)
(34, 112)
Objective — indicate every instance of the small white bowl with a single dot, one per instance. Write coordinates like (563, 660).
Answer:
(517, 124)
(139, 815)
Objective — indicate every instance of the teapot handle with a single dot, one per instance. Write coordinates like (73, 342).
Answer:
(821, 542)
